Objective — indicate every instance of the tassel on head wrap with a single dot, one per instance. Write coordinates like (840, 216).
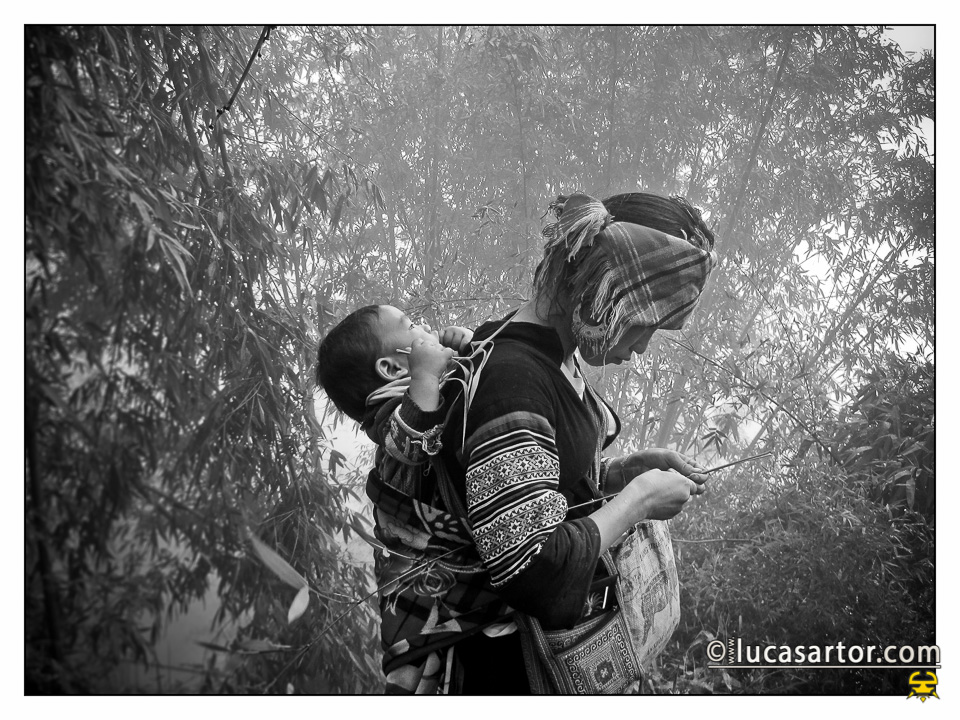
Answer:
(579, 219)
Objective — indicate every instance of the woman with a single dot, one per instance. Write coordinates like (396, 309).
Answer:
(612, 274)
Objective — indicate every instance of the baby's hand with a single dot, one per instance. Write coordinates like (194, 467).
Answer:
(428, 357)
(456, 337)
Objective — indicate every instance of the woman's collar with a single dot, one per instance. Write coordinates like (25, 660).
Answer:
(543, 337)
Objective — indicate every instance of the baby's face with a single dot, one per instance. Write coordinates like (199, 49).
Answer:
(398, 332)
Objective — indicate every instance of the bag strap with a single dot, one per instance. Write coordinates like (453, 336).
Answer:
(542, 674)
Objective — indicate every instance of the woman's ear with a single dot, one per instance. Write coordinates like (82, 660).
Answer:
(389, 369)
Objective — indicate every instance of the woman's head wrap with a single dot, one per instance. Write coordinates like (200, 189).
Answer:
(620, 274)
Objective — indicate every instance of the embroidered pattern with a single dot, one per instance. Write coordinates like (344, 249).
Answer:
(595, 657)
(604, 665)
(433, 587)
(512, 497)
(527, 464)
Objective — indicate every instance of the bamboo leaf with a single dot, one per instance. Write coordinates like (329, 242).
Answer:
(299, 604)
(335, 217)
(336, 460)
(276, 564)
(356, 525)
(251, 647)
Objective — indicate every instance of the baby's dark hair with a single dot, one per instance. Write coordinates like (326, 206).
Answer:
(346, 360)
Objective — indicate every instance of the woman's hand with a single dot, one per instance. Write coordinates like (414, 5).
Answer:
(620, 471)
(653, 495)
(660, 494)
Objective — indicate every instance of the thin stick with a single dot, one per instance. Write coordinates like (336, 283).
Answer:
(406, 351)
(590, 502)
(710, 540)
(737, 462)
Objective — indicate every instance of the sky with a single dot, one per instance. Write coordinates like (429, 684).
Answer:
(916, 39)
(913, 38)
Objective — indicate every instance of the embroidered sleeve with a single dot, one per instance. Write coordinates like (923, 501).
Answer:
(410, 435)
(512, 498)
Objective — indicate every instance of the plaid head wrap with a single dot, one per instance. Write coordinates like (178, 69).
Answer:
(624, 275)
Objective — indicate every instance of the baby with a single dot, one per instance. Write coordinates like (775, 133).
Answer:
(377, 359)
(385, 371)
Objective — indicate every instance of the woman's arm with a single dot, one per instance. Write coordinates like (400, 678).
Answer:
(539, 562)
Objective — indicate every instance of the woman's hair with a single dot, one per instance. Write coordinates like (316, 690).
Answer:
(346, 360)
(671, 215)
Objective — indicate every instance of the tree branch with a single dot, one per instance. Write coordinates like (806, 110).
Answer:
(764, 118)
(216, 131)
(810, 431)
(614, 79)
(264, 36)
(831, 334)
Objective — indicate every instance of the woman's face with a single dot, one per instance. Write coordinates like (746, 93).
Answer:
(634, 340)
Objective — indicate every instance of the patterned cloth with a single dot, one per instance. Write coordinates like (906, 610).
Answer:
(434, 590)
(649, 587)
(635, 276)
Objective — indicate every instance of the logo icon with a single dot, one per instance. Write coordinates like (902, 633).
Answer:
(923, 685)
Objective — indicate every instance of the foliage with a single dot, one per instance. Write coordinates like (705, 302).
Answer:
(889, 439)
(169, 339)
(182, 262)
(800, 560)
